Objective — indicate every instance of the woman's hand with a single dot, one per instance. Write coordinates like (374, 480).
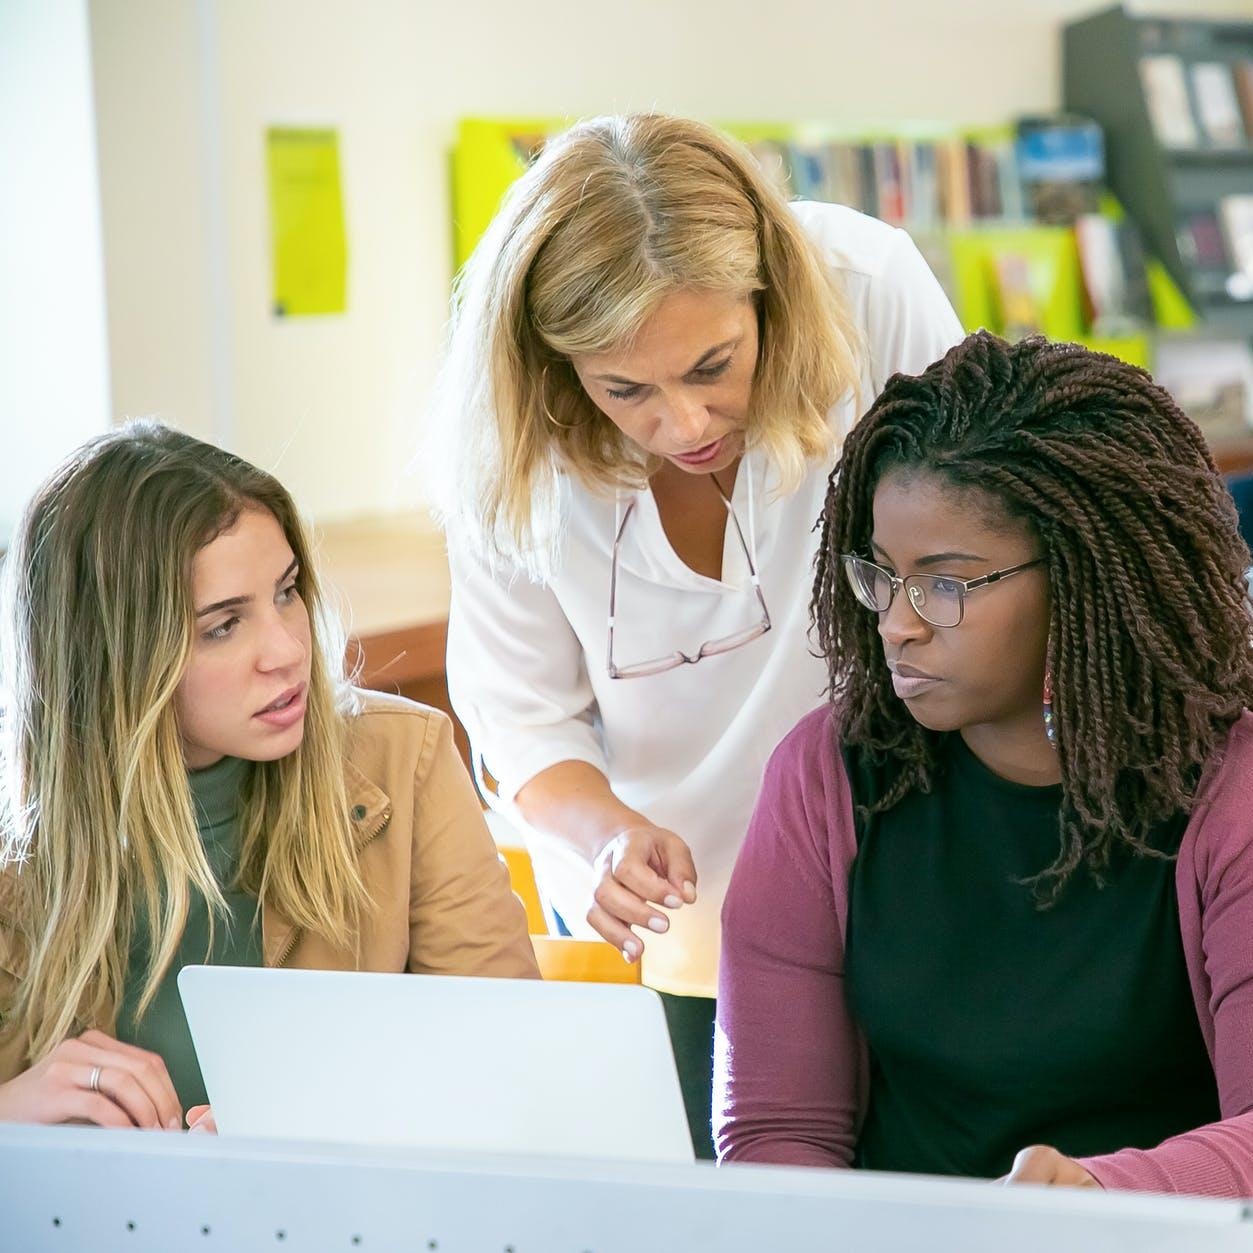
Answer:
(643, 870)
(94, 1079)
(1043, 1164)
(200, 1121)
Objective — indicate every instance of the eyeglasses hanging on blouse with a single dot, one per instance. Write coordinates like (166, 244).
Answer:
(711, 648)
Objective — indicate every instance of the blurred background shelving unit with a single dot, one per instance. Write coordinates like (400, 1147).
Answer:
(1014, 248)
(957, 191)
(1116, 68)
(1175, 100)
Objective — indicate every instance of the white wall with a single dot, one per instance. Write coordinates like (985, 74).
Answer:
(53, 356)
(186, 88)
(155, 175)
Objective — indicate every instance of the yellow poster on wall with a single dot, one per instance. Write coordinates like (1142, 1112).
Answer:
(308, 248)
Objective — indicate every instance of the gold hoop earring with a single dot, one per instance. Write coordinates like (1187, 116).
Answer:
(543, 397)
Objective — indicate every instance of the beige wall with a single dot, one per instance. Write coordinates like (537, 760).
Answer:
(185, 89)
(54, 383)
(154, 177)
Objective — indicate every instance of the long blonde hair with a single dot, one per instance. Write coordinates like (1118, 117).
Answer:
(98, 629)
(616, 214)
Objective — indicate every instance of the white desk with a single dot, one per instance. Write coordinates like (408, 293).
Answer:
(64, 1188)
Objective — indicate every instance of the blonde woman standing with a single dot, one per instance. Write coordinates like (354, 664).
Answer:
(188, 778)
(653, 360)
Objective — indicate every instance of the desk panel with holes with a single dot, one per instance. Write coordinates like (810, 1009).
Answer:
(75, 1189)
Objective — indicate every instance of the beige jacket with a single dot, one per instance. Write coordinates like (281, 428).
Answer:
(442, 903)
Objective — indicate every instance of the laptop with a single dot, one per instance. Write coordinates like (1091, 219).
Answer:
(513, 1066)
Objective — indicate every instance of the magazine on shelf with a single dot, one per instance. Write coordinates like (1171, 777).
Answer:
(1061, 160)
(1216, 104)
(1166, 93)
(1236, 214)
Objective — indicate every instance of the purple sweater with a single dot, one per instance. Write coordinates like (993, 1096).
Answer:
(791, 1072)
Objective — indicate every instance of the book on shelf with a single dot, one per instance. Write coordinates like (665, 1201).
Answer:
(844, 166)
(1217, 106)
(954, 184)
(1166, 94)
(1009, 179)
(1115, 288)
(923, 188)
(889, 183)
(985, 182)
(1242, 76)
(917, 182)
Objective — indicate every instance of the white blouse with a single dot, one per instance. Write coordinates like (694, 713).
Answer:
(527, 662)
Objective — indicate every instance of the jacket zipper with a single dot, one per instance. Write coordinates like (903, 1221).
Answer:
(384, 818)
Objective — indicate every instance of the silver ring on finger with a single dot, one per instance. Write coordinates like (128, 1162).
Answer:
(94, 1082)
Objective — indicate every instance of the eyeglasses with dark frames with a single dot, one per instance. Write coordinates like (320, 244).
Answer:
(711, 648)
(938, 599)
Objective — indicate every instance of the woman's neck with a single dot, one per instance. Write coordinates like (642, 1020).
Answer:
(693, 515)
(1016, 749)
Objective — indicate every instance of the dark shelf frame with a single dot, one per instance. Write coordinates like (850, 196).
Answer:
(1157, 185)
(1211, 156)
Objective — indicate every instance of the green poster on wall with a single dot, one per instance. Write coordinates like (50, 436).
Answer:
(309, 251)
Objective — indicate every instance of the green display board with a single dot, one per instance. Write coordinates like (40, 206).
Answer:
(308, 243)
(490, 153)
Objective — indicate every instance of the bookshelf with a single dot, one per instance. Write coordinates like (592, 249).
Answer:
(1175, 98)
(955, 190)
(921, 177)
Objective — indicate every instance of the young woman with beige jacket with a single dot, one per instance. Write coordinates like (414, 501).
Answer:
(188, 778)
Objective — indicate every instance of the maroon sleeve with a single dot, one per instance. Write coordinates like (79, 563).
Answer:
(1216, 1160)
(788, 1066)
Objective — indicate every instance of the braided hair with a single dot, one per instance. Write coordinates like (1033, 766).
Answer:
(1150, 635)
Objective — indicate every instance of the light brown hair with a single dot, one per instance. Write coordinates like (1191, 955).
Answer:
(96, 806)
(616, 214)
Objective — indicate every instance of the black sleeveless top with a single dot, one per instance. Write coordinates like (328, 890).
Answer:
(993, 1024)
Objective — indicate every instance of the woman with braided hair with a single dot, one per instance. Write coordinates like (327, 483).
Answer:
(993, 913)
